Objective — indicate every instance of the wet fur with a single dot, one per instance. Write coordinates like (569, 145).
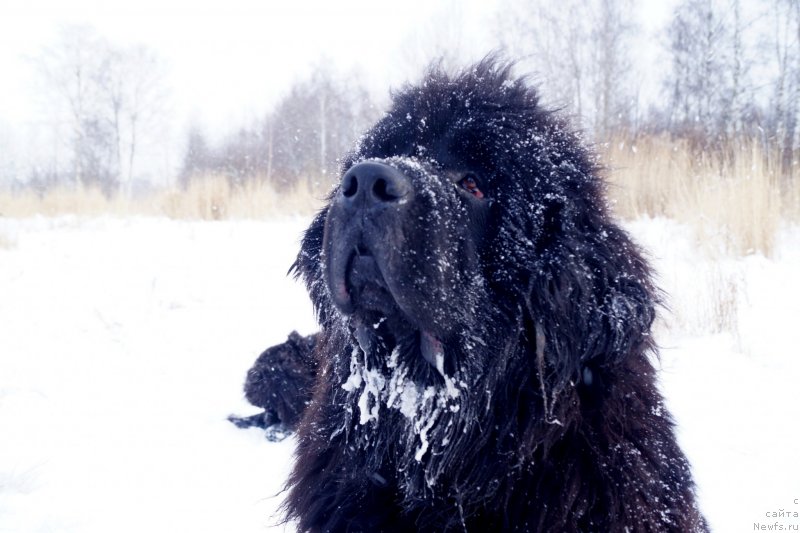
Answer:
(280, 382)
(557, 424)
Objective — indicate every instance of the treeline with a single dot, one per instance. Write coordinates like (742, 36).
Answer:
(734, 76)
(298, 141)
(727, 75)
(727, 70)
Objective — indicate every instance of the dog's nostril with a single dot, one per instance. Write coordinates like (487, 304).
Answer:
(381, 191)
(350, 187)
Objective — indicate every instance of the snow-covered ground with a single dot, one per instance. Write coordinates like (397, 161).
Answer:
(124, 344)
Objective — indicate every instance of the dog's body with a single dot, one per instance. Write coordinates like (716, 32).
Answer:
(484, 361)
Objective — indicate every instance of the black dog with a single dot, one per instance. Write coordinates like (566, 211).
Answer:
(484, 359)
(280, 382)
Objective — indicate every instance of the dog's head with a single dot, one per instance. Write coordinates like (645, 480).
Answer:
(458, 205)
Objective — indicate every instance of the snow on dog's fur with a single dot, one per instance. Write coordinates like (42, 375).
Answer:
(484, 356)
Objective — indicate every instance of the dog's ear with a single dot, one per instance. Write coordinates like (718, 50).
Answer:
(592, 304)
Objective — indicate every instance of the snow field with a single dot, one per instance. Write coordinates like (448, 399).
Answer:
(123, 347)
(124, 344)
(735, 394)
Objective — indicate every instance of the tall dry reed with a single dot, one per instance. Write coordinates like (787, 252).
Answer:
(207, 198)
(735, 201)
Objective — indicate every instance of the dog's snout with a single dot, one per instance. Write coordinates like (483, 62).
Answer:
(373, 184)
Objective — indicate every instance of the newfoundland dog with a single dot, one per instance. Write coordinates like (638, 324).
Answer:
(484, 361)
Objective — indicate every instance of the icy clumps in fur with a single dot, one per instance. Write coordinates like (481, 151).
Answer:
(422, 406)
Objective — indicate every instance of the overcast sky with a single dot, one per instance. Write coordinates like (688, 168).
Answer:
(230, 59)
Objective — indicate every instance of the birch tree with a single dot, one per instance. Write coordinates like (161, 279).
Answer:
(110, 96)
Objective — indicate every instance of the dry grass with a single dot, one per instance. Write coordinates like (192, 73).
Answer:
(735, 204)
(213, 198)
(58, 202)
(208, 198)
(705, 299)
(723, 304)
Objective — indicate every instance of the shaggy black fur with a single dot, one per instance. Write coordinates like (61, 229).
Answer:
(280, 382)
(484, 360)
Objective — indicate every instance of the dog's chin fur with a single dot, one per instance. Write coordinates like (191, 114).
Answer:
(511, 389)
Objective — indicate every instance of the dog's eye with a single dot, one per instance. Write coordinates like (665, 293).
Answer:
(470, 184)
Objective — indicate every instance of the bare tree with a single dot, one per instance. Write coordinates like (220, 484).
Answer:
(132, 98)
(198, 157)
(8, 163)
(316, 123)
(712, 94)
(786, 85)
(739, 69)
(110, 95)
(68, 69)
(611, 37)
(552, 42)
(579, 50)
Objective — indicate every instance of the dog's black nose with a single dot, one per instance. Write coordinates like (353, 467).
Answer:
(373, 184)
